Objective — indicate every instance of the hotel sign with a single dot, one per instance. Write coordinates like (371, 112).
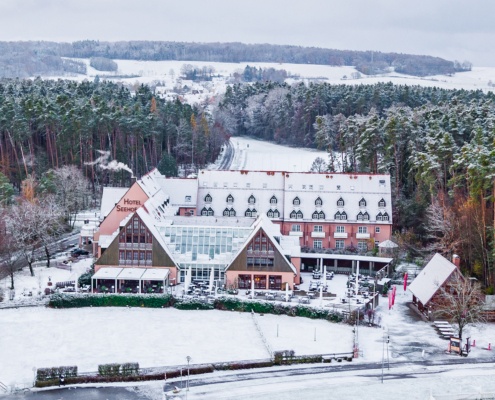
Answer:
(129, 205)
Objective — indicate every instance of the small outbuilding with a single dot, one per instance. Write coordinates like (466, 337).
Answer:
(425, 288)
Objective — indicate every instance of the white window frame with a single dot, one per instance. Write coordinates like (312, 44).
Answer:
(340, 244)
(295, 228)
(317, 244)
(318, 228)
(362, 229)
(340, 229)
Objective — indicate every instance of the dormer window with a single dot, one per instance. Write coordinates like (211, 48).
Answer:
(273, 200)
(363, 216)
(229, 212)
(362, 203)
(206, 211)
(382, 203)
(340, 216)
(340, 202)
(251, 199)
(296, 201)
(230, 199)
(318, 202)
(382, 217)
(273, 214)
(208, 198)
(250, 212)
(296, 215)
(318, 215)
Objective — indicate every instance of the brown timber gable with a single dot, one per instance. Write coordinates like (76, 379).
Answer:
(260, 255)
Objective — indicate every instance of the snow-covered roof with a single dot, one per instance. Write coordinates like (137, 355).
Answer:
(106, 240)
(107, 273)
(155, 274)
(388, 244)
(431, 278)
(110, 197)
(131, 273)
(182, 191)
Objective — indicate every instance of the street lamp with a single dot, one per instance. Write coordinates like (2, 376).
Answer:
(383, 354)
(188, 358)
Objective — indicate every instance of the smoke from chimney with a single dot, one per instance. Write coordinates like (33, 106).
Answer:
(113, 165)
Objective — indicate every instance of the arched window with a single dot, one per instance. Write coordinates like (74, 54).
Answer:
(204, 211)
(226, 212)
(210, 212)
(315, 215)
(382, 203)
(273, 200)
(293, 215)
(362, 202)
(269, 214)
(230, 199)
(208, 198)
(247, 213)
(254, 213)
(318, 202)
(232, 212)
(251, 200)
(296, 201)
(340, 202)
(299, 215)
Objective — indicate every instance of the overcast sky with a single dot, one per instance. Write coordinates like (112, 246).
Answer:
(452, 29)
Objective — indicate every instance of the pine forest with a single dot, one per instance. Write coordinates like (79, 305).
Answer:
(438, 145)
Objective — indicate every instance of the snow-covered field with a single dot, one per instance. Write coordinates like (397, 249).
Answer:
(167, 75)
(258, 155)
(40, 337)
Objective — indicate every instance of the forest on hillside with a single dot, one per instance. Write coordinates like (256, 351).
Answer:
(49, 124)
(39, 58)
(438, 145)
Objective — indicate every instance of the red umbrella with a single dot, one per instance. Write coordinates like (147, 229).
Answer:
(405, 281)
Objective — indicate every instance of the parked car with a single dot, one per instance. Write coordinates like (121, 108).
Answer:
(79, 252)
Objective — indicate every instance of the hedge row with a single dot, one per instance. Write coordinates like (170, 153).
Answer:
(63, 300)
(73, 380)
(46, 374)
(125, 369)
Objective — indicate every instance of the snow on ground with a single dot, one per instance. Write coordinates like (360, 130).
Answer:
(167, 73)
(252, 154)
(42, 337)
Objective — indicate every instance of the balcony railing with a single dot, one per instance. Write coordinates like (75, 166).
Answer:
(259, 253)
(136, 263)
(362, 235)
(340, 235)
(317, 234)
(135, 246)
(295, 233)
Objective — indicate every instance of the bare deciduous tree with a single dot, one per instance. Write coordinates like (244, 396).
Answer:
(461, 303)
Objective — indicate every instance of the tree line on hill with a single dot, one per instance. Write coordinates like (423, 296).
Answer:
(33, 58)
(438, 146)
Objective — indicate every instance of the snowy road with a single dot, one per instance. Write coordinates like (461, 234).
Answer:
(345, 381)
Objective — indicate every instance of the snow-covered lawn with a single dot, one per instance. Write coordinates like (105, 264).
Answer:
(40, 337)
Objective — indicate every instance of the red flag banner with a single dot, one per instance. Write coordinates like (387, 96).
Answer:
(405, 281)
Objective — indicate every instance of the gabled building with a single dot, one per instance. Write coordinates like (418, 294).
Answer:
(426, 286)
(244, 225)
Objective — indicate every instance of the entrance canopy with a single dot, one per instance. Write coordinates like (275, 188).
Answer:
(129, 274)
